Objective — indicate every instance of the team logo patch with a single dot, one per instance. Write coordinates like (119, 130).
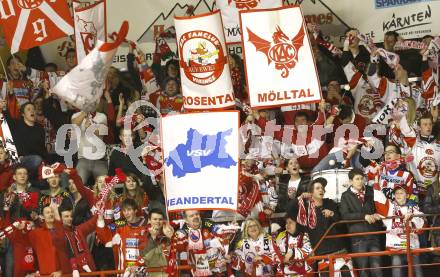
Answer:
(366, 105)
(194, 235)
(88, 34)
(282, 50)
(202, 57)
(428, 167)
(131, 242)
(249, 258)
(28, 259)
(29, 4)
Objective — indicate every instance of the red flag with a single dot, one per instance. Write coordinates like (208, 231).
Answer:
(33, 23)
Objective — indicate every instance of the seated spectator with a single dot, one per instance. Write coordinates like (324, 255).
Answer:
(256, 247)
(402, 212)
(357, 203)
(294, 246)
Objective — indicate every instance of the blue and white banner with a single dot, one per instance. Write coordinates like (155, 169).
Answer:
(201, 152)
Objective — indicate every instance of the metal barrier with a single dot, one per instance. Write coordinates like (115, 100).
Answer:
(332, 257)
(408, 251)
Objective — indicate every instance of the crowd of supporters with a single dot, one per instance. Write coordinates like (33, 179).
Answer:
(57, 219)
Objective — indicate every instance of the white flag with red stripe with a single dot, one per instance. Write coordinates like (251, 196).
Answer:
(230, 14)
(206, 79)
(90, 26)
(30, 23)
(83, 85)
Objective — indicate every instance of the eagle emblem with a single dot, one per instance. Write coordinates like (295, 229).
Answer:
(282, 50)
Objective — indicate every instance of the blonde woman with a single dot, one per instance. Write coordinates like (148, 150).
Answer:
(256, 247)
(403, 126)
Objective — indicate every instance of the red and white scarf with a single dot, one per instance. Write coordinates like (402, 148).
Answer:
(308, 218)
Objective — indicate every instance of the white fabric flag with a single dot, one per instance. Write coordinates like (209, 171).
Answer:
(206, 80)
(230, 14)
(83, 85)
(7, 141)
(201, 160)
(279, 63)
(90, 26)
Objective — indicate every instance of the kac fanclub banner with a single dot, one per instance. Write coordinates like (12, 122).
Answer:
(230, 14)
(201, 160)
(206, 81)
(280, 68)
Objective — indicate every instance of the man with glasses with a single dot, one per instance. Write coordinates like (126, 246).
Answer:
(392, 173)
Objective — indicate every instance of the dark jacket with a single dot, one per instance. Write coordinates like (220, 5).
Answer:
(122, 160)
(351, 208)
(29, 140)
(431, 205)
(361, 61)
(283, 198)
(322, 224)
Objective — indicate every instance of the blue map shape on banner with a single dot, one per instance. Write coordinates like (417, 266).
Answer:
(198, 152)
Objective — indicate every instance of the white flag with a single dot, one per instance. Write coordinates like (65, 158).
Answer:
(83, 85)
(230, 14)
(280, 68)
(201, 160)
(90, 26)
(206, 80)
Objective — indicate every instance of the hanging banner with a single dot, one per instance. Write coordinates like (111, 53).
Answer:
(83, 85)
(7, 141)
(34, 23)
(204, 69)
(279, 64)
(200, 156)
(230, 14)
(90, 26)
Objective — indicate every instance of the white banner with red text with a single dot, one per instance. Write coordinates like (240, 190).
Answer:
(230, 14)
(201, 160)
(204, 69)
(279, 64)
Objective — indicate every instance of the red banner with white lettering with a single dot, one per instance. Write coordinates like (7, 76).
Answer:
(206, 79)
(30, 23)
(279, 63)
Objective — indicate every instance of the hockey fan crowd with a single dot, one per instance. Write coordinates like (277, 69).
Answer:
(100, 212)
